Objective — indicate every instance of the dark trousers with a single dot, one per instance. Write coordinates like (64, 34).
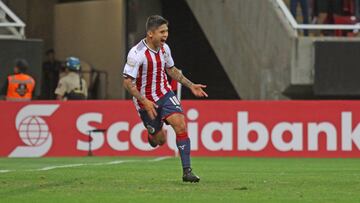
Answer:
(304, 10)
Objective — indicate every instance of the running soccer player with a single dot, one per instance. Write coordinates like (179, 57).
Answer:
(146, 80)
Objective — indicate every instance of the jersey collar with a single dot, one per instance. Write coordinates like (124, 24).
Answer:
(149, 47)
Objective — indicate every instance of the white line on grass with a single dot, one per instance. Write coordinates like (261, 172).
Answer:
(62, 166)
(91, 164)
(160, 158)
(98, 164)
(111, 162)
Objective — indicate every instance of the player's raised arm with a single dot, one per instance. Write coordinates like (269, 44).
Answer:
(196, 89)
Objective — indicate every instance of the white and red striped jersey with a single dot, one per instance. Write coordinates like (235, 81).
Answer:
(147, 67)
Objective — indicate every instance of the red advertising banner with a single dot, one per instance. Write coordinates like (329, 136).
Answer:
(216, 128)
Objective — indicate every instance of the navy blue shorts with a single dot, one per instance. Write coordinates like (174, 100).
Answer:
(167, 105)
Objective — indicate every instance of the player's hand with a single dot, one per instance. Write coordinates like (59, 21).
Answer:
(150, 108)
(197, 90)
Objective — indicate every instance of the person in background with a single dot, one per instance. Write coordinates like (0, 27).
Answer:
(72, 86)
(304, 5)
(19, 86)
(50, 68)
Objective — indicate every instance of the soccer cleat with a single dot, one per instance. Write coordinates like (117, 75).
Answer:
(152, 141)
(189, 176)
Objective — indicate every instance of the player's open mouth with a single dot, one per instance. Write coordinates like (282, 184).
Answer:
(163, 40)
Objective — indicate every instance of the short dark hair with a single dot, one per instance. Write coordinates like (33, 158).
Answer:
(154, 22)
(22, 65)
(50, 51)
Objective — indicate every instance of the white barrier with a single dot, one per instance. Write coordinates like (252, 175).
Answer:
(297, 26)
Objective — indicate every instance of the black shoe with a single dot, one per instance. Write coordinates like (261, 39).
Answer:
(152, 141)
(189, 176)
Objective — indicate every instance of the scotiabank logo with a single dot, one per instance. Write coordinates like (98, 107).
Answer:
(33, 130)
(235, 135)
(285, 129)
(298, 131)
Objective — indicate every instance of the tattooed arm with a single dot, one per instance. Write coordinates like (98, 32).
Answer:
(149, 106)
(175, 74)
(196, 89)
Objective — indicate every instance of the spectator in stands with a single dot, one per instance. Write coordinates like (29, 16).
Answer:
(72, 86)
(336, 12)
(323, 13)
(320, 11)
(50, 69)
(19, 86)
(304, 5)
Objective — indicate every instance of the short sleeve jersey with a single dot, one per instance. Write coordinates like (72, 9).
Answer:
(147, 67)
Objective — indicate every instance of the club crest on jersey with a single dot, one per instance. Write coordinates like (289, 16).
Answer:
(166, 55)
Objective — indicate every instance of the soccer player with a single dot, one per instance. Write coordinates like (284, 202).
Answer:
(146, 80)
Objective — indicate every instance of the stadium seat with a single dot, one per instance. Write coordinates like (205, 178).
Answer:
(344, 20)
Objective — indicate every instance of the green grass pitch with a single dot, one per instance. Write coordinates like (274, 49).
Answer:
(108, 179)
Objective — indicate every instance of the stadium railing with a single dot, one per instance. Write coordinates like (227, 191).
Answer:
(11, 26)
(298, 26)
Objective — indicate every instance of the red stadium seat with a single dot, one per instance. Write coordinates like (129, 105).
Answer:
(348, 20)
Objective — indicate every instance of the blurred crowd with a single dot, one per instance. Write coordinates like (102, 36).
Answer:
(326, 12)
